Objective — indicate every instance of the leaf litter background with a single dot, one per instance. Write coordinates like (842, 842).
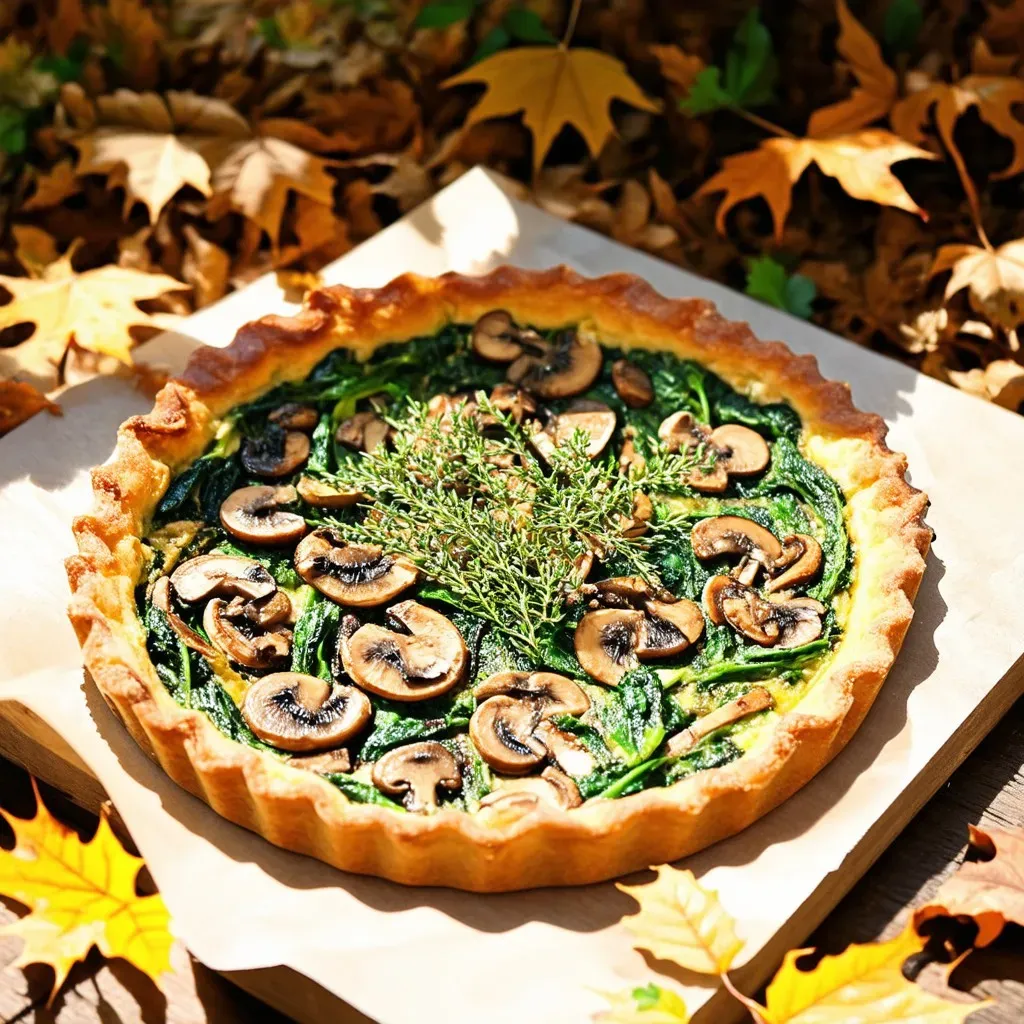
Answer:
(860, 166)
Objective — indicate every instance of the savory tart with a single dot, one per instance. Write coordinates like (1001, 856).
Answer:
(497, 582)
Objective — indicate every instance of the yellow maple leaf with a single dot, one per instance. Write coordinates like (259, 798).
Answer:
(877, 86)
(80, 895)
(651, 1004)
(553, 86)
(994, 276)
(95, 309)
(860, 162)
(863, 984)
(681, 921)
(20, 401)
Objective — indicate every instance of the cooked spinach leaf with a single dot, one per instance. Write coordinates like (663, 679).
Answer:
(361, 792)
(631, 716)
(395, 723)
(169, 655)
(315, 633)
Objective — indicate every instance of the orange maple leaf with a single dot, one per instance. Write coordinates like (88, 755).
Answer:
(20, 401)
(80, 895)
(860, 162)
(876, 92)
(553, 86)
(990, 890)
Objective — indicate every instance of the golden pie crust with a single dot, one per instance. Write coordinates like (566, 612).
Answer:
(546, 846)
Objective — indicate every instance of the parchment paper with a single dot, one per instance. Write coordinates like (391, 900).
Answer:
(404, 955)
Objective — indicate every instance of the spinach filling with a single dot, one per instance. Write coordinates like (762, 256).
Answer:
(511, 616)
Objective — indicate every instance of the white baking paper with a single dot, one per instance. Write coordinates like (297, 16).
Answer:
(404, 955)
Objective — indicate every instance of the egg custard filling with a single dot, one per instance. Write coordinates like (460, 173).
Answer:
(498, 564)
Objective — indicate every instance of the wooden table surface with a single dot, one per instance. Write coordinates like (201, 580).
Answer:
(988, 787)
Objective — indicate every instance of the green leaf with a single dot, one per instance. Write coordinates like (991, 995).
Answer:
(13, 133)
(706, 94)
(497, 39)
(316, 628)
(271, 32)
(768, 281)
(655, 999)
(442, 13)
(903, 21)
(525, 26)
(361, 792)
(632, 716)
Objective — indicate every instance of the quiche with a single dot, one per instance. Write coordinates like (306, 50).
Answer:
(497, 582)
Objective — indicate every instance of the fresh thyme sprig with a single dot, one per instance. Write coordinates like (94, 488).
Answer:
(485, 520)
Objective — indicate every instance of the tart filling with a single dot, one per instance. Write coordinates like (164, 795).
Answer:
(498, 566)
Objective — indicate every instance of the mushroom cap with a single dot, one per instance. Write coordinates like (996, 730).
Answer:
(606, 641)
(799, 623)
(363, 431)
(265, 611)
(240, 641)
(323, 495)
(564, 748)
(734, 535)
(415, 771)
(669, 628)
(295, 416)
(496, 337)
(742, 450)
(715, 589)
(802, 557)
(640, 516)
(425, 660)
(629, 592)
(681, 430)
(256, 515)
(302, 713)
(566, 368)
(513, 401)
(222, 576)
(502, 730)
(595, 419)
(161, 598)
(551, 787)
(355, 575)
(557, 694)
(632, 384)
(276, 453)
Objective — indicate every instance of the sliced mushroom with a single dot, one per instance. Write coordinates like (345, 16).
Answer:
(301, 713)
(750, 615)
(421, 655)
(363, 431)
(414, 773)
(497, 338)
(557, 695)
(514, 402)
(669, 628)
(715, 590)
(734, 535)
(757, 699)
(565, 749)
(295, 416)
(639, 520)
(257, 515)
(223, 576)
(632, 384)
(564, 368)
(323, 495)
(802, 557)
(731, 448)
(799, 622)
(241, 642)
(327, 763)
(630, 459)
(606, 641)
(277, 452)
(355, 575)
(161, 598)
(552, 787)
(265, 612)
(627, 592)
(594, 419)
(743, 451)
(502, 730)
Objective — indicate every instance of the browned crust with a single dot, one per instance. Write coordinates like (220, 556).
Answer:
(601, 839)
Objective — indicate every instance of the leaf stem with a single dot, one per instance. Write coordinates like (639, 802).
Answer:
(752, 1005)
(761, 122)
(570, 27)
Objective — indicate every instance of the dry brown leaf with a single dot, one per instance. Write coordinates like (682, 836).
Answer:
(20, 401)
(1005, 23)
(206, 267)
(67, 23)
(861, 163)
(408, 183)
(678, 68)
(362, 218)
(1001, 382)
(632, 225)
(877, 86)
(128, 28)
(367, 119)
(995, 278)
(985, 62)
(993, 97)
(553, 87)
(53, 186)
(989, 889)
(95, 309)
(34, 248)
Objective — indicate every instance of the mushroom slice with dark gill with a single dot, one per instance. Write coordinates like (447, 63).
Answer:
(273, 610)
(276, 452)
(421, 655)
(258, 515)
(362, 432)
(606, 641)
(497, 338)
(415, 772)
(566, 367)
(594, 419)
(241, 640)
(502, 730)
(323, 495)
(756, 699)
(556, 694)
(780, 622)
(802, 557)
(552, 787)
(669, 628)
(734, 535)
(632, 384)
(295, 416)
(303, 714)
(355, 575)
(639, 520)
(221, 576)
(733, 450)
(799, 621)
(161, 598)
